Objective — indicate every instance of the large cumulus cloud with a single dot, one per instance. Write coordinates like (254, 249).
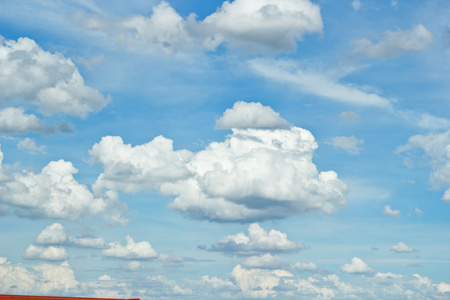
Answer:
(254, 174)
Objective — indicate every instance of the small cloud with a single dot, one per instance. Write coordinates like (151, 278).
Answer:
(30, 146)
(356, 4)
(402, 248)
(348, 143)
(418, 211)
(357, 266)
(349, 116)
(387, 211)
(134, 266)
(131, 250)
(394, 3)
(51, 253)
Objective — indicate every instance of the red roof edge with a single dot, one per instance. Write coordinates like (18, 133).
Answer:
(29, 297)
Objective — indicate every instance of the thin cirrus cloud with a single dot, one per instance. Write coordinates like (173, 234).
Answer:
(280, 179)
(54, 193)
(47, 80)
(257, 241)
(394, 43)
(256, 26)
(347, 143)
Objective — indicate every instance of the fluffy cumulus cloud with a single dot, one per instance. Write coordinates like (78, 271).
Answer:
(402, 248)
(54, 193)
(44, 279)
(265, 261)
(348, 143)
(357, 266)
(131, 250)
(264, 26)
(56, 234)
(15, 120)
(394, 43)
(251, 115)
(48, 80)
(437, 149)
(257, 241)
(51, 253)
(254, 174)
(388, 211)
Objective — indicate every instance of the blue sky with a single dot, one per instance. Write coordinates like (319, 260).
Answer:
(225, 150)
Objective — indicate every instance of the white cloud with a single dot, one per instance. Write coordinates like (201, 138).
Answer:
(348, 143)
(315, 83)
(251, 115)
(30, 145)
(394, 3)
(391, 213)
(51, 253)
(305, 266)
(41, 279)
(418, 211)
(258, 283)
(265, 261)
(52, 234)
(14, 120)
(394, 43)
(131, 250)
(349, 116)
(437, 149)
(49, 81)
(257, 241)
(356, 4)
(134, 169)
(357, 266)
(264, 26)
(254, 174)
(54, 193)
(88, 242)
(134, 266)
(402, 248)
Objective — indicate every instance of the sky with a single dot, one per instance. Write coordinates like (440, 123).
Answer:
(289, 149)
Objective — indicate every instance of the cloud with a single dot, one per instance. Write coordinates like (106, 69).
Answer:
(315, 83)
(54, 193)
(131, 250)
(257, 241)
(51, 253)
(299, 266)
(356, 4)
(30, 145)
(134, 169)
(14, 120)
(265, 261)
(49, 81)
(437, 148)
(402, 248)
(391, 213)
(349, 116)
(394, 43)
(267, 26)
(55, 234)
(251, 115)
(348, 143)
(258, 283)
(41, 279)
(254, 174)
(357, 266)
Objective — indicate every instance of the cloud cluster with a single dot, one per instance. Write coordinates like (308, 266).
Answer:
(257, 241)
(49, 81)
(437, 149)
(357, 266)
(254, 174)
(131, 250)
(15, 120)
(253, 25)
(54, 193)
(387, 211)
(394, 43)
(51, 253)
